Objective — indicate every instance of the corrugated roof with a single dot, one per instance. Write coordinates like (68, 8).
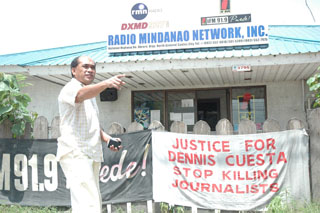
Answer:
(283, 39)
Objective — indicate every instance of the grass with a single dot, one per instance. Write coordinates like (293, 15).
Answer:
(276, 206)
(31, 209)
(285, 203)
(310, 208)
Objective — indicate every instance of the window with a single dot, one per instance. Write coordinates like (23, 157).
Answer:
(148, 106)
(248, 103)
(209, 105)
(181, 107)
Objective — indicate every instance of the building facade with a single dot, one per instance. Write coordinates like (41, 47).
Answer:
(248, 82)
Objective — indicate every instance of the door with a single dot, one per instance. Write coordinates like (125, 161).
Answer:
(209, 111)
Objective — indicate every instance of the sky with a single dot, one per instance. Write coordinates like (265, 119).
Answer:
(28, 25)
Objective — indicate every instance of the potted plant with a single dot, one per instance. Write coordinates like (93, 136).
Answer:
(13, 103)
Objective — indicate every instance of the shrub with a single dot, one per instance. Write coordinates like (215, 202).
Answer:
(13, 103)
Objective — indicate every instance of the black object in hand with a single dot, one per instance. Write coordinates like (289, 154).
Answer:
(114, 142)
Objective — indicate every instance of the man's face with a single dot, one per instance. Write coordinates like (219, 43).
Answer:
(85, 71)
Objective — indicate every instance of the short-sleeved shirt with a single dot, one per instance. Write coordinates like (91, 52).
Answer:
(79, 124)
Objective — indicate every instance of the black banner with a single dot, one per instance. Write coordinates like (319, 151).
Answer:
(30, 175)
(229, 19)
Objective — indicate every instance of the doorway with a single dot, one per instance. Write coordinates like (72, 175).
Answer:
(208, 110)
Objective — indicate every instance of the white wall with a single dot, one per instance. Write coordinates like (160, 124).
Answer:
(44, 97)
(116, 111)
(284, 101)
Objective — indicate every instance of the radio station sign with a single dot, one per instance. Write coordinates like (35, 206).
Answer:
(147, 26)
(213, 36)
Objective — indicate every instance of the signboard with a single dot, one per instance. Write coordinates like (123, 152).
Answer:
(150, 27)
(230, 19)
(241, 68)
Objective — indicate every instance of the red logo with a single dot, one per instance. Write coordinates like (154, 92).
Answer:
(225, 6)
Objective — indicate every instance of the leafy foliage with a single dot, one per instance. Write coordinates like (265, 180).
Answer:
(167, 208)
(314, 85)
(13, 104)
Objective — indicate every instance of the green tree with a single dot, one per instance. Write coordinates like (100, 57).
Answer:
(314, 85)
(13, 103)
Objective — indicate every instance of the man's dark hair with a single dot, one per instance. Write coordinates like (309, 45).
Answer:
(74, 64)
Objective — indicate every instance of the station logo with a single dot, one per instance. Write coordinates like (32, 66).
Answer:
(139, 11)
(225, 6)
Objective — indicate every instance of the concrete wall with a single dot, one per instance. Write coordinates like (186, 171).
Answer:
(284, 101)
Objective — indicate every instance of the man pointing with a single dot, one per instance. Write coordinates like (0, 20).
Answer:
(79, 146)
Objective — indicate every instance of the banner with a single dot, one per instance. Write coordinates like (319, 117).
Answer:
(30, 175)
(230, 172)
(126, 176)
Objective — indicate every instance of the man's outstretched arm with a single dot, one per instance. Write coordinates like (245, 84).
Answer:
(90, 91)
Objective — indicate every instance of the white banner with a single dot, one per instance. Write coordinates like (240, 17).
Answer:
(230, 172)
